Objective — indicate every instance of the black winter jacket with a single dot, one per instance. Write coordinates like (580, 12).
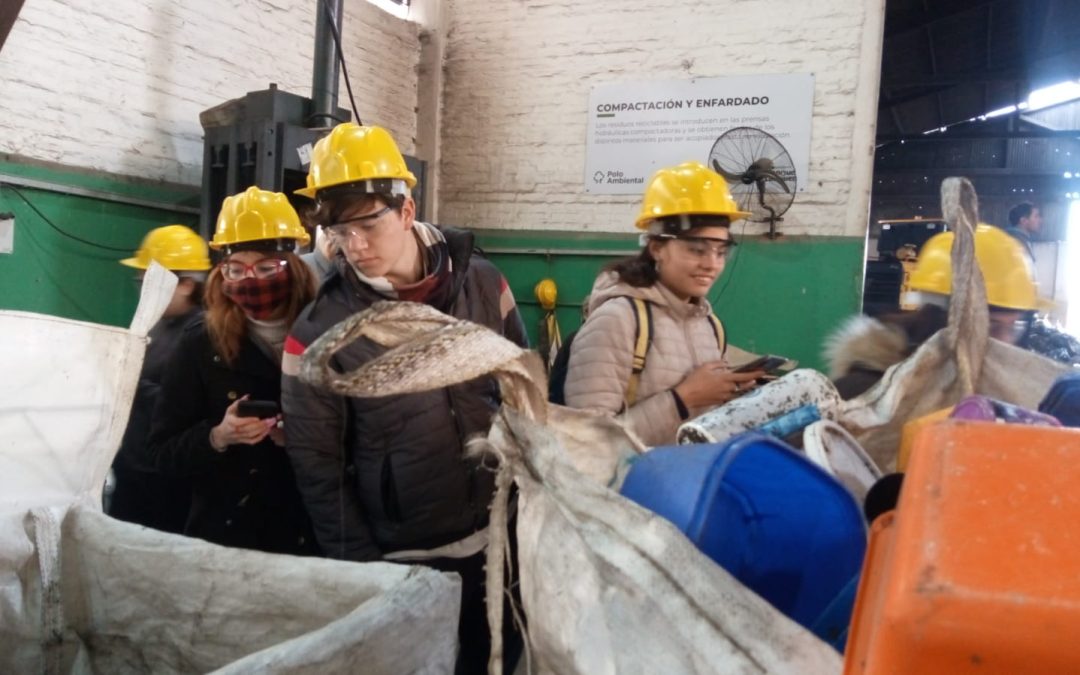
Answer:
(163, 339)
(245, 496)
(387, 474)
(143, 495)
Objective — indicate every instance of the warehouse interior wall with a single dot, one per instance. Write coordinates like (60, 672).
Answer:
(118, 86)
(514, 118)
(492, 95)
(106, 97)
(518, 76)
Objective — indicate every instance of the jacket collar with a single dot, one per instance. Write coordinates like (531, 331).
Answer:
(461, 244)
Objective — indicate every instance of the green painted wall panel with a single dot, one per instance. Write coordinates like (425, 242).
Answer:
(50, 273)
(122, 186)
(780, 297)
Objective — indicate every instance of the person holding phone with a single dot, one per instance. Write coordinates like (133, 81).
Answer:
(652, 350)
(217, 420)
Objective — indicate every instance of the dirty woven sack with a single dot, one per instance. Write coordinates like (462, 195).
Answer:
(81, 592)
(957, 361)
(606, 586)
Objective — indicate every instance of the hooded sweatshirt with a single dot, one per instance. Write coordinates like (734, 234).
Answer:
(601, 360)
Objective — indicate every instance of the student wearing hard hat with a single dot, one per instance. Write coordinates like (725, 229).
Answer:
(862, 350)
(658, 380)
(143, 495)
(216, 422)
(389, 478)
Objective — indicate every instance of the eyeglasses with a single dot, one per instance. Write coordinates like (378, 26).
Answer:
(703, 247)
(364, 226)
(234, 270)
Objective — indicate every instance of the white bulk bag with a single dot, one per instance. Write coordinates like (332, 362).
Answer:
(83, 593)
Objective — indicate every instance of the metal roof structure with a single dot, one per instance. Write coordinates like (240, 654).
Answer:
(955, 82)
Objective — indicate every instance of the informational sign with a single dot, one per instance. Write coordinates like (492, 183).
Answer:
(637, 128)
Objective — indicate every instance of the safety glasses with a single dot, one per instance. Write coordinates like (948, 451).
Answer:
(234, 270)
(702, 247)
(364, 226)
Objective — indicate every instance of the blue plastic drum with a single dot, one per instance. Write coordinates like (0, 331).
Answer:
(777, 522)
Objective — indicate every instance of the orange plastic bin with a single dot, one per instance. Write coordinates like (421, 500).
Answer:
(978, 568)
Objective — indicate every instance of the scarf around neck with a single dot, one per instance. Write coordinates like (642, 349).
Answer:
(434, 286)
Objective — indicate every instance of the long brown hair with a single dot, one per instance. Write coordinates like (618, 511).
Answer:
(227, 323)
(638, 271)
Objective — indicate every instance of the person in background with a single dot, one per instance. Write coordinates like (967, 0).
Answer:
(862, 350)
(389, 478)
(243, 489)
(1025, 222)
(142, 495)
(320, 258)
(686, 214)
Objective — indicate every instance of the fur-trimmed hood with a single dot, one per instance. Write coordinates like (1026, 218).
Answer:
(876, 345)
(864, 342)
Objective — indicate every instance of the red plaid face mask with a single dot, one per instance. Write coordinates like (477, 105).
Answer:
(259, 298)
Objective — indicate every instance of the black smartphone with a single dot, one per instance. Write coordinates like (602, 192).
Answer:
(767, 363)
(261, 409)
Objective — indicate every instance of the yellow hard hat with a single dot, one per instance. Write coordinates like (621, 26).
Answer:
(1007, 271)
(257, 215)
(357, 154)
(546, 293)
(690, 188)
(174, 247)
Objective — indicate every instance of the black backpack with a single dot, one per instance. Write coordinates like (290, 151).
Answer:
(559, 368)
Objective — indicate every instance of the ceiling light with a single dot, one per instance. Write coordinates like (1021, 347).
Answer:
(1007, 110)
(1053, 95)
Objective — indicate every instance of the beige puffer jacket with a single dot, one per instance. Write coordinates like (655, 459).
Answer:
(601, 356)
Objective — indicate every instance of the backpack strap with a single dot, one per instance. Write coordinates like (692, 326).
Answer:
(643, 328)
(721, 334)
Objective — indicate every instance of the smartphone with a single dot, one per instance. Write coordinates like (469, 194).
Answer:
(261, 409)
(767, 363)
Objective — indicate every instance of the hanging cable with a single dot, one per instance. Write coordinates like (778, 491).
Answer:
(307, 120)
(341, 58)
(54, 226)
(734, 263)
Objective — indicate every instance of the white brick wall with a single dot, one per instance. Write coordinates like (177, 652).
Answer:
(518, 75)
(118, 85)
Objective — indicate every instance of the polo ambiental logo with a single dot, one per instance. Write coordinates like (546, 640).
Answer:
(615, 178)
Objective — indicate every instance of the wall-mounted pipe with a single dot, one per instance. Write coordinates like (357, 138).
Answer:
(326, 68)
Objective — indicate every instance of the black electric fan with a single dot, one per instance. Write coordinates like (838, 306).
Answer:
(759, 172)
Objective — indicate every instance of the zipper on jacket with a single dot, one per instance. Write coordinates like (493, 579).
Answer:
(454, 418)
(690, 344)
(461, 448)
